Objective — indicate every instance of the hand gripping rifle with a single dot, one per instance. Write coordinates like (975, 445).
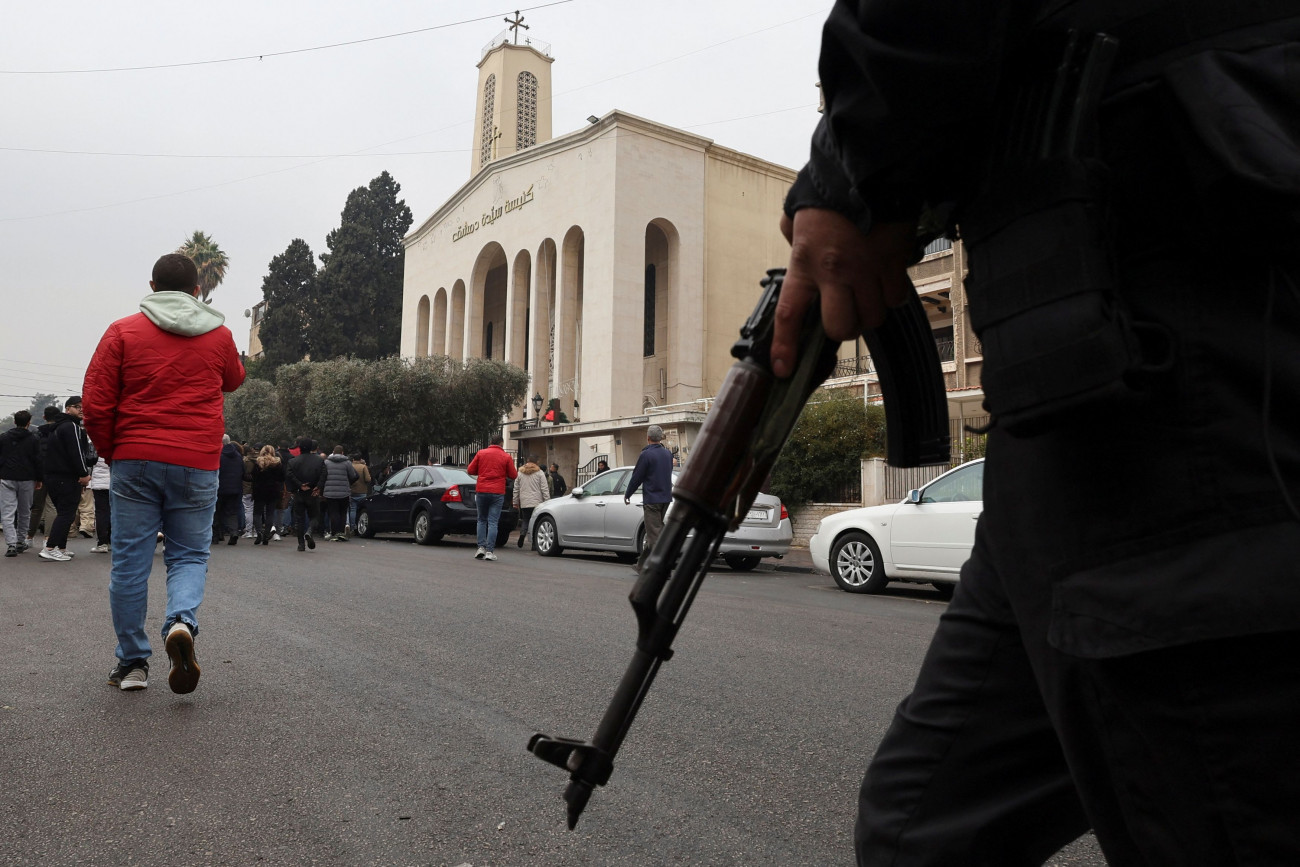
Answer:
(745, 430)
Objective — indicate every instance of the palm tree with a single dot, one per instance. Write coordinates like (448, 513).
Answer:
(209, 258)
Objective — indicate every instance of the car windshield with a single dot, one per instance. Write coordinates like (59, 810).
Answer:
(963, 486)
(397, 479)
(454, 476)
(605, 483)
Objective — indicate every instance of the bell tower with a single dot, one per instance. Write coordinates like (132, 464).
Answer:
(513, 108)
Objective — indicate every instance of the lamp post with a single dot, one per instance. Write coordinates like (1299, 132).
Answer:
(537, 404)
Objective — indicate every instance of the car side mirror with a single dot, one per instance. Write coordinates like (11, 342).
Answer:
(577, 492)
(914, 497)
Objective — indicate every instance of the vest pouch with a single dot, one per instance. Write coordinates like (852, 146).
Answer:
(1042, 292)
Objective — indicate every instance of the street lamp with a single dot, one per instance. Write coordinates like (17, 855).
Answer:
(537, 403)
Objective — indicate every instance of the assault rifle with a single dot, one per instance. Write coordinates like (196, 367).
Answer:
(745, 430)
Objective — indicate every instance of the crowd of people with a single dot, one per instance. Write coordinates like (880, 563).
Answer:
(267, 492)
(53, 483)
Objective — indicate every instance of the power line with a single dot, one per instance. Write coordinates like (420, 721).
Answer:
(232, 156)
(316, 160)
(342, 155)
(267, 54)
(42, 363)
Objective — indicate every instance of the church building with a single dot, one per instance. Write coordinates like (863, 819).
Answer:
(614, 263)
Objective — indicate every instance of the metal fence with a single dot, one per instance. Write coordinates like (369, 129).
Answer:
(938, 245)
(848, 490)
(966, 445)
(588, 471)
(900, 480)
(853, 366)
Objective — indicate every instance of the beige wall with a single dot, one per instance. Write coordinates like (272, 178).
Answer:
(744, 197)
(601, 202)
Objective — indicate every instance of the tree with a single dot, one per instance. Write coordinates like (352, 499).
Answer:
(40, 400)
(360, 282)
(289, 290)
(211, 261)
(336, 410)
(392, 406)
(253, 414)
(834, 433)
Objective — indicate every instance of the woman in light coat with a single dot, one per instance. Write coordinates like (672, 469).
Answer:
(531, 490)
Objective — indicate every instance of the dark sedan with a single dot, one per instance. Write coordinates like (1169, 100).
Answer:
(429, 502)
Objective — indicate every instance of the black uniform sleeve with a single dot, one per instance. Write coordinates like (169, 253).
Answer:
(908, 85)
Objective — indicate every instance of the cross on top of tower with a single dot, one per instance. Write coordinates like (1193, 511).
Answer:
(515, 24)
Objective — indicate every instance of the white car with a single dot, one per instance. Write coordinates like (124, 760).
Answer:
(923, 539)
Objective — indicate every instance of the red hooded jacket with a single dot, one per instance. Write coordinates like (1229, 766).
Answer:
(153, 388)
(492, 466)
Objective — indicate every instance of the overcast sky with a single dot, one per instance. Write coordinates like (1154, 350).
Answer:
(251, 122)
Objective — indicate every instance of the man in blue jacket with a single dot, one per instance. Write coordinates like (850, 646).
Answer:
(654, 471)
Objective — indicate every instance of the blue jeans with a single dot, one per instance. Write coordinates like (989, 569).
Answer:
(148, 496)
(353, 502)
(489, 513)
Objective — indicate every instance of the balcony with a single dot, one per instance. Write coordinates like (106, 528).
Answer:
(864, 366)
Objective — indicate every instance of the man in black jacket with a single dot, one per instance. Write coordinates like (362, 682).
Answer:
(20, 476)
(558, 486)
(66, 474)
(230, 492)
(1119, 653)
(306, 477)
(41, 497)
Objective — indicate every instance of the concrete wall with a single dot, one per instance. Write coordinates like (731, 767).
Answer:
(804, 522)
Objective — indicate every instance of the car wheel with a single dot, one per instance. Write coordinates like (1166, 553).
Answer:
(423, 528)
(364, 527)
(546, 538)
(945, 589)
(741, 562)
(503, 536)
(856, 564)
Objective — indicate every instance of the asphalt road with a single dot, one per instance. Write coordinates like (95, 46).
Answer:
(369, 703)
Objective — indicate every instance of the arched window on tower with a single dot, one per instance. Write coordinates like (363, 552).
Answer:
(526, 119)
(485, 134)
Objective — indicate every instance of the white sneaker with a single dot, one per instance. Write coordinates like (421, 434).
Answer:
(480, 553)
(489, 556)
(184, 674)
(101, 548)
(275, 537)
(55, 554)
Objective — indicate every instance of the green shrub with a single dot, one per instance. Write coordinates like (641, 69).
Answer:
(825, 452)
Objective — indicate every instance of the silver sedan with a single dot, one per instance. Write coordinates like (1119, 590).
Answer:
(593, 517)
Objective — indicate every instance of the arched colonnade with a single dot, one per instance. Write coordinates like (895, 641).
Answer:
(526, 308)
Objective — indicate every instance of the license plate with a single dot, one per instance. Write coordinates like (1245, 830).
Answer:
(756, 515)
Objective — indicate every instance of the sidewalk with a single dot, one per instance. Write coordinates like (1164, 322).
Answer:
(798, 560)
